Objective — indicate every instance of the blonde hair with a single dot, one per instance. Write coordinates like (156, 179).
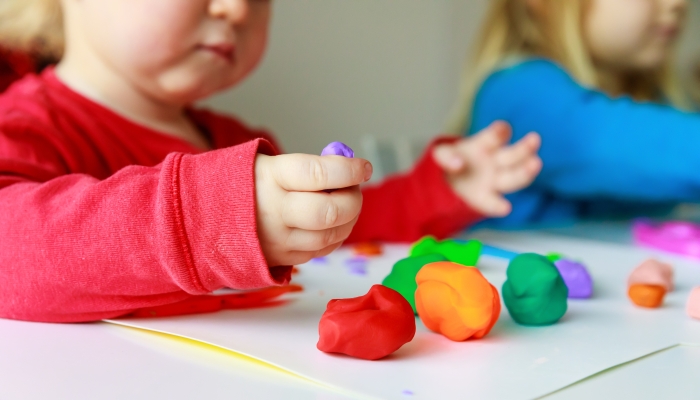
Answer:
(32, 26)
(555, 30)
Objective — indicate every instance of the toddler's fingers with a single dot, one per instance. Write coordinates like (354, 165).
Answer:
(509, 180)
(491, 204)
(515, 154)
(318, 211)
(328, 250)
(309, 173)
(452, 157)
(301, 257)
(492, 137)
(298, 257)
(448, 158)
(303, 240)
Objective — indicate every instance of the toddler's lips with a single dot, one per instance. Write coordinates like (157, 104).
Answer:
(224, 50)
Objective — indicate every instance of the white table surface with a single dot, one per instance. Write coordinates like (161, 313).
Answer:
(87, 361)
(103, 361)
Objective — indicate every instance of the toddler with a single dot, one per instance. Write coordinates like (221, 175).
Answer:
(117, 194)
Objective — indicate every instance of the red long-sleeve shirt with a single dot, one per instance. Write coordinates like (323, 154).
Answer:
(100, 216)
(14, 65)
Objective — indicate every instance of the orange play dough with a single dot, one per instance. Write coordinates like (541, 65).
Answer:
(650, 296)
(368, 249)
(652, 272)
(693, 306)
(456, 301)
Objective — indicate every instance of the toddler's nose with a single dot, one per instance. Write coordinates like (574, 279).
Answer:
(235, 11)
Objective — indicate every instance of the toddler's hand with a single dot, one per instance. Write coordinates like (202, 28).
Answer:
(482, 168)
(297, 221)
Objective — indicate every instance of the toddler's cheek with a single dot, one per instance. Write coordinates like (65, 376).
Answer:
(250, 50)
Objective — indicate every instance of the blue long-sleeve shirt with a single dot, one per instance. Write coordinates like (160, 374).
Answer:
(602, 156)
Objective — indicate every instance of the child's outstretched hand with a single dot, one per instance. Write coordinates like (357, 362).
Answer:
(482, 168)
(297, 221)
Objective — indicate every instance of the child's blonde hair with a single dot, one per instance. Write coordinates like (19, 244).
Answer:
(555, 31)
(32, 26)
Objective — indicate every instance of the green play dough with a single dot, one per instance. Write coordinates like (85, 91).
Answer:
(534, 293)
(554, 257)
(460, 253)
(403, 276)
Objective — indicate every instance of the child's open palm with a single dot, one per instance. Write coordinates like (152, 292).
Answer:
(483, 168)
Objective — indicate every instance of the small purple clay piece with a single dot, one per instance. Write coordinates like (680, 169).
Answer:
(357, 265)
(576, 278)
(338, 149)
(320, 260)
(358, 270)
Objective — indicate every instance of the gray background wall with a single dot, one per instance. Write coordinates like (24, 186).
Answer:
(344, 69)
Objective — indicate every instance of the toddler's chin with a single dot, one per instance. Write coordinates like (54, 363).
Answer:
(185, 87)
(652, 59)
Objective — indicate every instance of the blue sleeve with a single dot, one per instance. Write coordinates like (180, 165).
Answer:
(595, 146)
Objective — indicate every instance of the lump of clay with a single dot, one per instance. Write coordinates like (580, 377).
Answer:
(576, 278)
(554, 257)
(693, 305)
(368, 327)
(652, 272)
(403, 276)
(368, 249)
(648, 296)
(534, 293)
(338, 149)
(460, 253)
(455, 301)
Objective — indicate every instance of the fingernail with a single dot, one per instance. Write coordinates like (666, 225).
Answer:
(368, 171)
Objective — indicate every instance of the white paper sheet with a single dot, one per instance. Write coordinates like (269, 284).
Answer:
(512, 362)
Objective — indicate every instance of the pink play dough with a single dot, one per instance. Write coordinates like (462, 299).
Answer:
(652, 272)
(693, 306)
(675, 236)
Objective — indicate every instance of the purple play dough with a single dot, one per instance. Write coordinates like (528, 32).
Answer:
(576, 277)
(357, 265)
(338, 149)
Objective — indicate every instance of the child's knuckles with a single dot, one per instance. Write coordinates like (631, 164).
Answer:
(330, 237)
(331, 214)
(312, 241)
(317, 171)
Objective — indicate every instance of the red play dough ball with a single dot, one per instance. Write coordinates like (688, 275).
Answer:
(368, 327)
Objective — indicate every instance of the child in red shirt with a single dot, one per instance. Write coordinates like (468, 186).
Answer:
(116, 194)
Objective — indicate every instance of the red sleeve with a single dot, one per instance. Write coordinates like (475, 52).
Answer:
(74, 248)
(406, 207)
